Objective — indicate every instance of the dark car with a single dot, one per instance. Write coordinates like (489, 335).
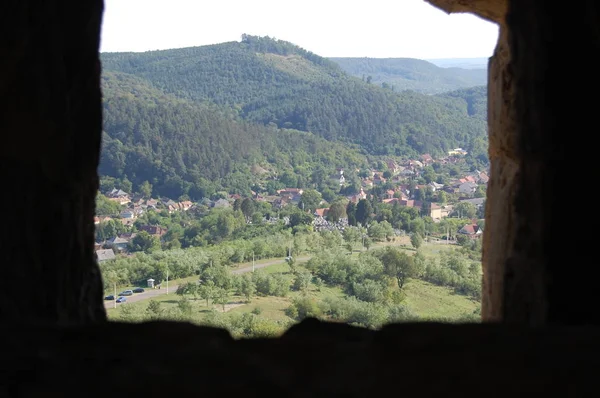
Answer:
(121, 299)
(138, 290)
(111, 297)
(126, 293)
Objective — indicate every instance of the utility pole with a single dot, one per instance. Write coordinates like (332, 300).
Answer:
(252, 261)
(115, 296)
(167, 280)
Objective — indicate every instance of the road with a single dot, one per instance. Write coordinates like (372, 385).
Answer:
(150, 293)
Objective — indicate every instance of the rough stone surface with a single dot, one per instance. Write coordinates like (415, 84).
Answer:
(50, 121)
(492, 10)
(548, 277)
(499, 234)
(312, 359)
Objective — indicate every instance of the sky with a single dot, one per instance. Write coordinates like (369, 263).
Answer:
(330, 28)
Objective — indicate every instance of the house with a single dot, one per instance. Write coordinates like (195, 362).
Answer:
(435, 212)
(117, 244)
(471, 230)
(467, 187)
(407, 172)
(221, 203)
(117, 193)
(410, 203)
(98, 246)
(378, 179)
(392, 166)
(447, 210)
(96, 220)
(186, 205)
(483, 178)
(427, 159)
(128, 214)
(342, 178)
(105, 255)
(321, 212)
(122, 200)
(457, 151)
(128, 222)
(435, 186)
(415, 163)
(367, 183)
(154, 230)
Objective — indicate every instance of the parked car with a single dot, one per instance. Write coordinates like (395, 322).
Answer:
(138, 290)
(111, 297)
(126, 293)
(121, 299)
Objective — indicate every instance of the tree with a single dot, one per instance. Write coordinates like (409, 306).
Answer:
(144, 242)
(154, 310)
(351, 213)
(300, 218)
(336, 211)
(222, 297)
(465, 210)
(207, 291)
(184, 306)
(351, 235)
(126, 185)
(387, 174)
(416, 240)
(237, 204)
(106, 207)
(247, 287)
(310, 200)
(442, 197)
(146, 189)
(363, 212)
(247, 208)
(397, 264)
(480, 192)
(302, 279)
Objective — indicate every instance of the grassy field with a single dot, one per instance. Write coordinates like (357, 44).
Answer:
(428, 301)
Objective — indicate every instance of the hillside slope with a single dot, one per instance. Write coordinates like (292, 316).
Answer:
(278, 84)
(196, 148)
(412, 74)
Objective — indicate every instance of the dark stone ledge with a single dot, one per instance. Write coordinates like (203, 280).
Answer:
(313, 358)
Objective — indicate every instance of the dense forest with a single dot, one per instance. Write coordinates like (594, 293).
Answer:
(225, 116)
(412, 74)
(183, 146)
(277, 83)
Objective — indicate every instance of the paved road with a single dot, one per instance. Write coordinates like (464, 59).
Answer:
(149, 293)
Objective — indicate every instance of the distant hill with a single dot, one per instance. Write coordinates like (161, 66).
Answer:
(465, 63)
(181, 146)
(412, 74)
(276, 83)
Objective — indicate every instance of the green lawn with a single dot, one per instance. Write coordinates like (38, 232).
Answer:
(429, 301)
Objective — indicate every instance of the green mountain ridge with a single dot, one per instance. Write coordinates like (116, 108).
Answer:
(200, 119)
(274, 82)
(413, 74)
(196, 148)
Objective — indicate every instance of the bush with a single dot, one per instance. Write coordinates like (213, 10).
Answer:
(257, 310)
(303, 307)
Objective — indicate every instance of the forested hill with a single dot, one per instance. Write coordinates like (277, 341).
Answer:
(197, 148)
(278, 84)
(412, 74)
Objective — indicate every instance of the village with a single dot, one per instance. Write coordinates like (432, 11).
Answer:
(401, 184)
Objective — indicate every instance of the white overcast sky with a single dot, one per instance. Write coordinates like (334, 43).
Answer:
(330, 28)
